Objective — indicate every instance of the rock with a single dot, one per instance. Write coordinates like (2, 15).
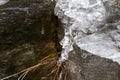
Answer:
(20, 21)
(86, 66)
(27, 32)
(16, 59)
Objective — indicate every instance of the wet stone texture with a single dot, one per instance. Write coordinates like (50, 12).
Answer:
(27, 34)
(85, 66)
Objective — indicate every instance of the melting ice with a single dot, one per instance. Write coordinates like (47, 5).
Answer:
(85, 25)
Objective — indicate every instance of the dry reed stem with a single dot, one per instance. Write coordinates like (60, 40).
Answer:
(23, 75)
(58, 68)
(54, 69)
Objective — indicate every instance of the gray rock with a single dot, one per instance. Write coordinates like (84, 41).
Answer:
(85, 66)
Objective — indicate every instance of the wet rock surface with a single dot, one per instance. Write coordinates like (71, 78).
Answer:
(16, 59)
(27, 33)
(20, 21)
(85, 66)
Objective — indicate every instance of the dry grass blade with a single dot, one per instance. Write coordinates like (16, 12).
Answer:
(44, 61)
(13, 75)
(22, 76)
(47, 57)
(53, 71)
(57, 73)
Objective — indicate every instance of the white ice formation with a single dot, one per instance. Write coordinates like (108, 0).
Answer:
(85, 24)
(2, 2)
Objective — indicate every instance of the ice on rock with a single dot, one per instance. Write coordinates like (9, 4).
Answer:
(2, 2)
(84, 25)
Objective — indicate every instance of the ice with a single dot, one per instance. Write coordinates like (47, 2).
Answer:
(84, 25)
(2, 2)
